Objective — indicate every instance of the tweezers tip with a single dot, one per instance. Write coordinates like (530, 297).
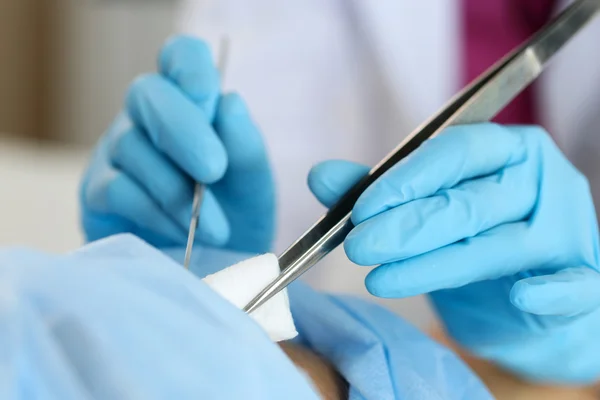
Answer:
(265, 295)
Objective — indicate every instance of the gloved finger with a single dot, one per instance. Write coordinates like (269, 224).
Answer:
(461, 212)
(248, 181)
(169, 188)
(569, 292)
(247, 154)
(501, 251)
(97, 224)
(188, 63)
(177, 127)
(118, 194)
(330, 180)
(100, 225)
(458, 154)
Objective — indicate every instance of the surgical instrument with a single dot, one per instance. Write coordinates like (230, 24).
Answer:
(478, 102)
(199, 188)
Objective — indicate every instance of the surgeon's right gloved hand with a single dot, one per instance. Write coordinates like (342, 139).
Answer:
(175, 126)
(501, 229)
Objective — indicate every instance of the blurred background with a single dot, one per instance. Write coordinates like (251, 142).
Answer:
(65, 67)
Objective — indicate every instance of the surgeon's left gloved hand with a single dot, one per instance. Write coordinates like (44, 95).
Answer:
(175, 126)
(120, 320)
(501, 229)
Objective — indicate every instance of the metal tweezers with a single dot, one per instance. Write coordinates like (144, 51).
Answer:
(478, 102)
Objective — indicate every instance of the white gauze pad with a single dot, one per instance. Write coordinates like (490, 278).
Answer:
(241, 282)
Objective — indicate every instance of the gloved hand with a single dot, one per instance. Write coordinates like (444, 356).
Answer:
(120, 320)
(502, 229)
(176, 126)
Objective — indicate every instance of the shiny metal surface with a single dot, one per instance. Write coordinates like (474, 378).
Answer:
(199, 188)
(198, 196)
(478, 102)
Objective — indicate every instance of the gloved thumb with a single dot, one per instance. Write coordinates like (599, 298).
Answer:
(330, 180)
(188, 62)
(567, 293)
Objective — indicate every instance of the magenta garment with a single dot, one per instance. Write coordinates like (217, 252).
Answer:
(491, 28)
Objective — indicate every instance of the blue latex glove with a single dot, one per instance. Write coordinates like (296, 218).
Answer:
(176, 126)
(120, 320)
(501, 228)
(380, 355)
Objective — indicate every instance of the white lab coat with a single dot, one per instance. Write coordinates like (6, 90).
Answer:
(350, 79)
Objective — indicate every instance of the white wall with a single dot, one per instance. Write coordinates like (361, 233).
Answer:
(100, 47)
(39, 202)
